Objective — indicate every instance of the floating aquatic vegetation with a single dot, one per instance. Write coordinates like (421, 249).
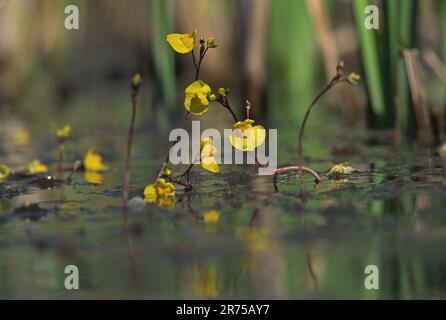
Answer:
(31, 212)
(340, 170)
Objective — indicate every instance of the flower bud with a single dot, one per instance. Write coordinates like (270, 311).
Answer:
(212, 43)
(136, 81)
(353, 78)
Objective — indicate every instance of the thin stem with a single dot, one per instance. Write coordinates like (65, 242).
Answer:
(336, 79)
(225, 103)
(283, 170)
(129, 150)
(61, 158)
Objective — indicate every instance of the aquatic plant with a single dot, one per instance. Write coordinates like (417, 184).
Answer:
(62, 134)
(246, 135)
(135, 84)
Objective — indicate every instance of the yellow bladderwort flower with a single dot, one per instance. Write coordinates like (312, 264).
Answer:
(196, 98)
(64, 132)
(160, 192)
(36, 167)
(246, 136)
(93, 177)
(93, 161)
(182, 43)
(339, 170)
(4, 172)
(21, 137)
(207, 154)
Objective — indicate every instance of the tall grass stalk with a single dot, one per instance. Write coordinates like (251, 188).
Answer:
(161, 23)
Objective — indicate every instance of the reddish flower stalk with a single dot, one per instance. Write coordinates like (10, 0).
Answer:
(338, 78)
(136, 83)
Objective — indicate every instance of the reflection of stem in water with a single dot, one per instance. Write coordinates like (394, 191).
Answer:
(311, 270)
(131, 250)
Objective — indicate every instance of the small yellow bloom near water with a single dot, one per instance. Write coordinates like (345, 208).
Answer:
(211, 216)
(207, 156)
(182, 42)
(247, 136)
(160, 192)
(4, 172)
(64, 132)
(36, 167)
(340, 169)
(21, 137)
(196, 98)
(93, 161)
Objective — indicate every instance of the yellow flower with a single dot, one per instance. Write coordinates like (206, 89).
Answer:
(4, 172)
(36, 167)
(196, 98)
(93, 177)
(207, 154)
(136, 81)
(160, 192)
(353, 78)
(64, 132)
(211, 216)
(182, 43)
(340, 169)
(93, 161)
(21, 137)
(247, 137)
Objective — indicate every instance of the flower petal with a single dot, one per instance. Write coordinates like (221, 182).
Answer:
(181, 43)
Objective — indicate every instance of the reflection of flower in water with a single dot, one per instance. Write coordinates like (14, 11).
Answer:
(93, 177)
(205, 280)
(256, 238)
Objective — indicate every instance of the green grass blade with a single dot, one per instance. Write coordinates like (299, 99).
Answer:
(371, 62)
(161, 22)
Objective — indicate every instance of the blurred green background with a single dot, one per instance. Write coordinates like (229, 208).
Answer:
(275, 53)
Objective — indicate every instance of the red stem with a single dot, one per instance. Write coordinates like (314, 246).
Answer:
(129, 149)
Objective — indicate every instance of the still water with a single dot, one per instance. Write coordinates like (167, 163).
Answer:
(235, 236)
